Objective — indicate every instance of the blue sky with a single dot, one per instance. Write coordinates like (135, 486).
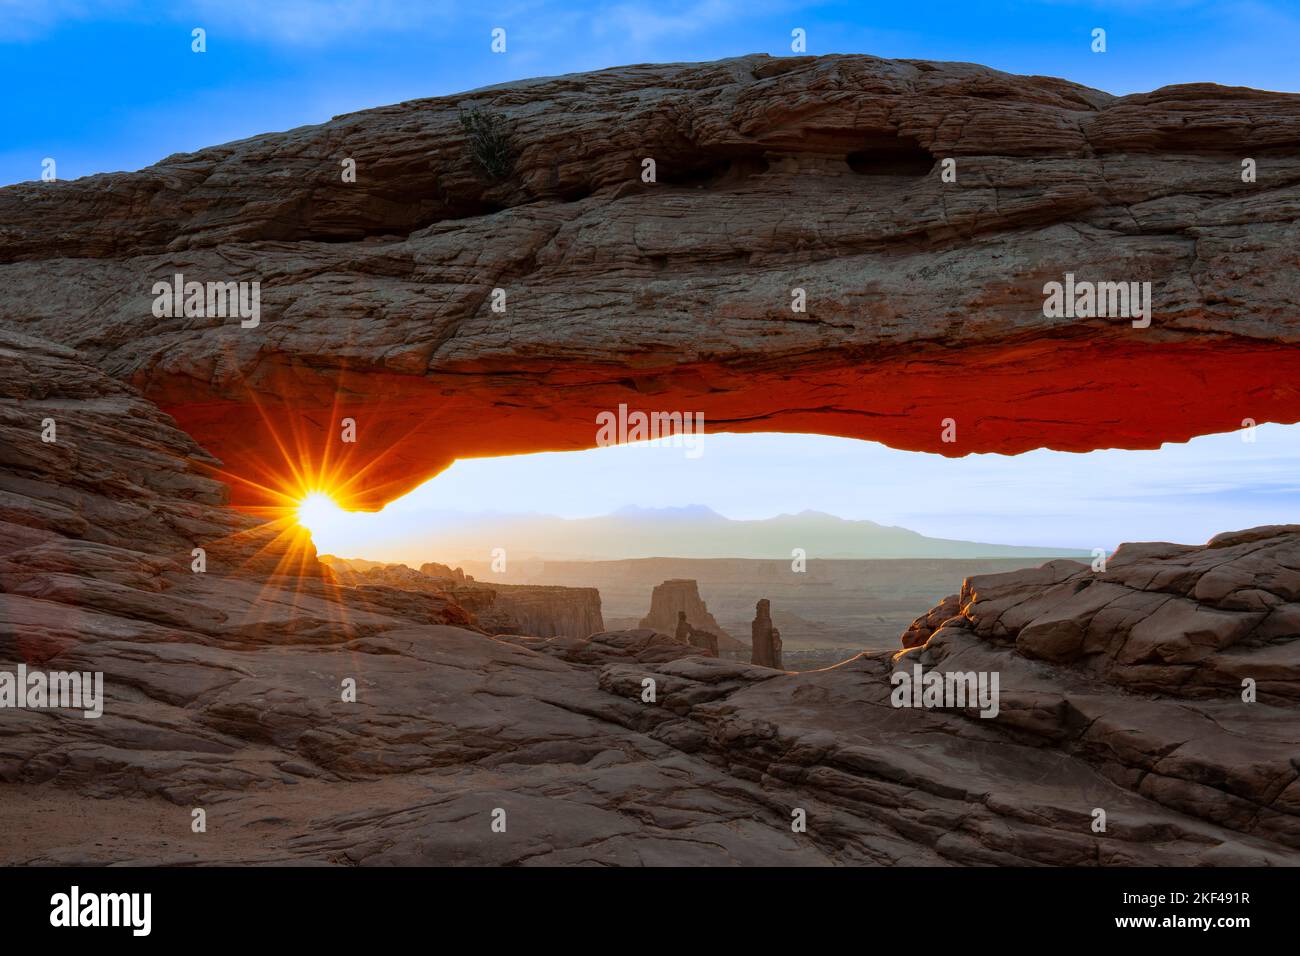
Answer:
(102, 85)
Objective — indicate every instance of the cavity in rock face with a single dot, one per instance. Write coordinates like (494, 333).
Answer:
(766, 639)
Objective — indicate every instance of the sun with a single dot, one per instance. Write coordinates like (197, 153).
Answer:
(318, 511)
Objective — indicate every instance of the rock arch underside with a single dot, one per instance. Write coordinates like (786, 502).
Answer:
(1120, 690)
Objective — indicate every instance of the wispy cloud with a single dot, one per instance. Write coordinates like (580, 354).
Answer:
(643, 23)
(29, 19)
(314, 22)
(282, 22)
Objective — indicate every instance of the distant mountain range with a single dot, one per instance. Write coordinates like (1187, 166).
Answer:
(695, 531)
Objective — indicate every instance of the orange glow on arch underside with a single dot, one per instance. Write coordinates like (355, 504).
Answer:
(311, 472)
(279, 432)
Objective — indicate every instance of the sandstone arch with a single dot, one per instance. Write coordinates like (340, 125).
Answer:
(924, 297)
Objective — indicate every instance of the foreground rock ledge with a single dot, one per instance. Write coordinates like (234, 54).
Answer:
(1119, 691)
(924, 298)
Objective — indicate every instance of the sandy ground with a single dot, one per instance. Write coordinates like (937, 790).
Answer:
(44, 824)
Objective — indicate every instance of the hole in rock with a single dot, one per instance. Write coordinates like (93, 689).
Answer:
(891, 157)
(695, 170)
(849, 540)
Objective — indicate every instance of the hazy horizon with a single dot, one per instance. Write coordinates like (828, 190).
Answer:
(688, 532)
(1045, 500)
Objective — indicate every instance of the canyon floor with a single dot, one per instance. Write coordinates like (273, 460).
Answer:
(827, 613)
(1120, 691)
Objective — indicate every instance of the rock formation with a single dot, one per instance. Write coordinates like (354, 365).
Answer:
(356, 572)
(765, 639)
(540, 611)
(443, 572)
(681, 595)
(924, 297)
(1160, 617)
(704, 640)
(1174, 672)
(920, 630)
(551, 611)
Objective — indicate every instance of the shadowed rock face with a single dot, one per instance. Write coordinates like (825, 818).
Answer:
(924, 298)
(222, 690)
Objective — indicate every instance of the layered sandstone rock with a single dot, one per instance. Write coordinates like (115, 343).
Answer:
(924, 297)
(1160, 617)
(1175, 672)
(682, 596)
